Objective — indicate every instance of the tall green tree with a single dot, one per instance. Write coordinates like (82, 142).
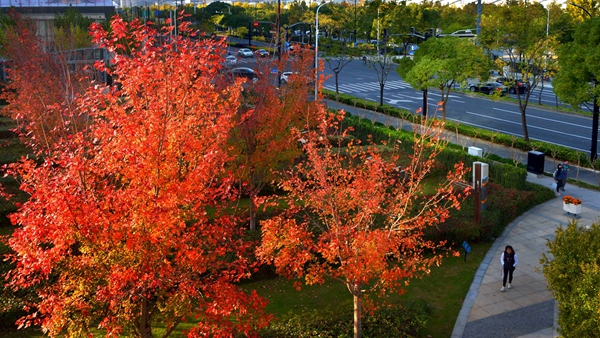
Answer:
(578, 80)
(518, 30)
(583, 9)
(443, 62)
(573, 273)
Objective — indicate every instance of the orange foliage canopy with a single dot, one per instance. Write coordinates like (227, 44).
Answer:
(125, 228)
(358, 219)
(42, 86)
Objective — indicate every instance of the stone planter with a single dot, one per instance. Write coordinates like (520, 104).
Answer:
(572, 208)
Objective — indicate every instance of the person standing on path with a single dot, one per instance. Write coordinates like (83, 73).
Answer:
(509, 261)
(565, 173)
(558, 176)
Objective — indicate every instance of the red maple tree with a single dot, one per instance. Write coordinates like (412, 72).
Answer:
(260, 142)
(127, 226)
(44, 83)
(356, 218)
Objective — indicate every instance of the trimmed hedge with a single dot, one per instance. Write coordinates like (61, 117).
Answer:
(563, 153)
(503, 206)
(508, 176)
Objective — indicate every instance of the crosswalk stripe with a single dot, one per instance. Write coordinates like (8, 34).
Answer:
(368, 86)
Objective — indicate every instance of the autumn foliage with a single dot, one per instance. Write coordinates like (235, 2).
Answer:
(358, 218)
(126, 226)
(261, 142)
(43, 86)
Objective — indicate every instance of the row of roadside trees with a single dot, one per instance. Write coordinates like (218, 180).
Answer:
(531, 42)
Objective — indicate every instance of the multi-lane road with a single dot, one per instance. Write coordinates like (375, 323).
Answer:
(544, 123)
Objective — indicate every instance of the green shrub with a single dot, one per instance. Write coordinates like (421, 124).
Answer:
(400, 321)
(571, 269)
(563, 153)
(502, 207)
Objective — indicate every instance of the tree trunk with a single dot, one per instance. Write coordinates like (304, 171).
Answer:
(594, 148)
(524, 123)
(357, 295)
(445, 95)
(381, 85)
(144, 327)
(425, 103)
(541, 90)
(444, 110)
(252, 213)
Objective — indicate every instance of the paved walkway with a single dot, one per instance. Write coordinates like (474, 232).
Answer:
(528, 309)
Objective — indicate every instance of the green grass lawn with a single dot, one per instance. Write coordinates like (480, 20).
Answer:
(443, 290)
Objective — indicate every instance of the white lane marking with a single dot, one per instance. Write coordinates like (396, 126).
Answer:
(528, 126)
(518, 135)
(545, 118)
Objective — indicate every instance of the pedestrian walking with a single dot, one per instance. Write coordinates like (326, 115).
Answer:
(558, 177)
(565, 173)
(509, 261)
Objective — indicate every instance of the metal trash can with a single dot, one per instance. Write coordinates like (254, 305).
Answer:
(535, 162)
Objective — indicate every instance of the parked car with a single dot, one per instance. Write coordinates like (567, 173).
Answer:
(488, 88)
(245, 53)
(244, 72)
(513, 85)
(262, 53)
(230, 60)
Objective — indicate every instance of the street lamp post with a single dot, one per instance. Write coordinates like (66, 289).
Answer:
(317, 49)
(596, 110)
(580, 7)
(355, 23)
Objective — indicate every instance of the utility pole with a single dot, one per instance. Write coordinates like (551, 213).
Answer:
(478, 30)
(278, 24)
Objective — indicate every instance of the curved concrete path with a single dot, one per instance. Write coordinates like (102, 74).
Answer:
(528, 310)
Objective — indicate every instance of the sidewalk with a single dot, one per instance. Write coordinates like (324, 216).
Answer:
(528, 309)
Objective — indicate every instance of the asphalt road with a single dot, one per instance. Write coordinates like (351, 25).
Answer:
(544, 124)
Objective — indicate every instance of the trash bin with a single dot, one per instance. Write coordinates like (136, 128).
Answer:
(535, 162)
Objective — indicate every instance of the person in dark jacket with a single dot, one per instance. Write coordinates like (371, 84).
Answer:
(509, 261)
(565, 173)
(558, 178)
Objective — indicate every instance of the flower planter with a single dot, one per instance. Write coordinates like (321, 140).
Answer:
(572, 208)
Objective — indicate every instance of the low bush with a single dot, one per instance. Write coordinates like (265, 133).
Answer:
(399, 321)
(502, 207)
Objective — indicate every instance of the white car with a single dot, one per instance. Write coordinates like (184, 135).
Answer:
(231, 60)
(245, 53)
(285, 77)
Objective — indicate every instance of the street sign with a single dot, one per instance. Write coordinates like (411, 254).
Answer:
(467, 248)
(255, 24)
